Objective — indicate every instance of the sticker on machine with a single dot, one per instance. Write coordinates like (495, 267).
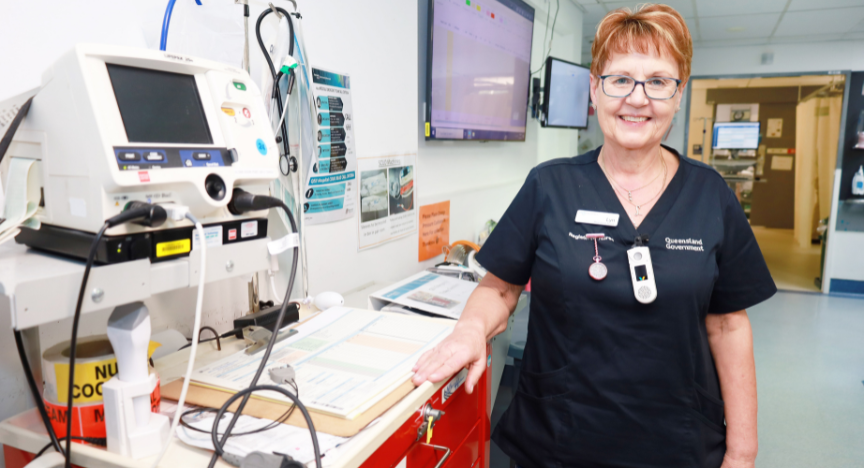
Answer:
(213, 234)
(249, 229)
(454, 385)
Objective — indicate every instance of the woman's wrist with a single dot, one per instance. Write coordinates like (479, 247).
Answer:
(471, 326)
(743, 454)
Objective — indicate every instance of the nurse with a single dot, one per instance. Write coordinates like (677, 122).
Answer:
(607, 380)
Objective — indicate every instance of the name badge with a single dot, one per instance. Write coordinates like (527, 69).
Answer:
(597, 217)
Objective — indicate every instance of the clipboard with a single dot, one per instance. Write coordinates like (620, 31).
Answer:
(212, 397)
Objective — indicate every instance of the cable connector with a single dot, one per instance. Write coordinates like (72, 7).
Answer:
(269, 460)
(176, 212)
(282, 375)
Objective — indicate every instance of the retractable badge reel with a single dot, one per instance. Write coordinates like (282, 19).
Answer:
(642, 273)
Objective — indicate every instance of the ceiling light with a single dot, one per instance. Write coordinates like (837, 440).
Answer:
(735, 29)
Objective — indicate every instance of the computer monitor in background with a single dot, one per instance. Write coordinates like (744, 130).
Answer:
(478, 69)
(565, 94)
(736, 135)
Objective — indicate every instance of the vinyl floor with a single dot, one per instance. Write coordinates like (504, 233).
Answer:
(809, 351)
(793, 268)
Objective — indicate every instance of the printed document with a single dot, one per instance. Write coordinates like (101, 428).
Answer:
(437, 294)
(346, 360)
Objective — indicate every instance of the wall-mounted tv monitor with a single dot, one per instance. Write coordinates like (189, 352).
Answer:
(736, 135)
(565, 94)
(478, 69)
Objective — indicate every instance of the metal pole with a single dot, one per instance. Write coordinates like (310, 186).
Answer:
(245, 3)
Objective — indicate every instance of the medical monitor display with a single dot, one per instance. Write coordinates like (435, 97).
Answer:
(736, 135)
(478, 67)
(565, 94)
(159, 107)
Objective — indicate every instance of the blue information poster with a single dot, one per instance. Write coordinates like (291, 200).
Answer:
(331, 175)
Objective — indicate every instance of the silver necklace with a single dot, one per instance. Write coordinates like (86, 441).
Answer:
(620, 189)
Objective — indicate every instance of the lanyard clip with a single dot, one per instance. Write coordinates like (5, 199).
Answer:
(641, 240)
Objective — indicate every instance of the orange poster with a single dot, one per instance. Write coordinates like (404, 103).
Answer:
(434, 230)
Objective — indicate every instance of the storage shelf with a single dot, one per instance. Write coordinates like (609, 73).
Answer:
(734, 163)
(735, 178)
(38, 288)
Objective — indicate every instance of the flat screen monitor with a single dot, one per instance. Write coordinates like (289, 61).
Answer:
(736, 135)
(478, 69)
(565, 94)
(158, 106)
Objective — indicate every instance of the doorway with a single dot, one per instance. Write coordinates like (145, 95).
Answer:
(774, 139)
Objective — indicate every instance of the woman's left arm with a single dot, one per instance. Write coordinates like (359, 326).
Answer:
(731, 341)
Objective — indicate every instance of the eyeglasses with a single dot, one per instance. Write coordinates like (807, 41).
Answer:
(621, 86)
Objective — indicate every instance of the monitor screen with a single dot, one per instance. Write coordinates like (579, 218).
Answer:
(478, 67)
(736, 135)
(159, 107)
(565, 94)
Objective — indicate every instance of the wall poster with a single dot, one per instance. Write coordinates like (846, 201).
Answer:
(387, 199)
(434, 230)
(331, 173)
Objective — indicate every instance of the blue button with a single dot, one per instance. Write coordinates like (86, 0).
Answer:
(262, 148)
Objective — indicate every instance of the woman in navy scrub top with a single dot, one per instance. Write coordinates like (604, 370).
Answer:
(608, 381)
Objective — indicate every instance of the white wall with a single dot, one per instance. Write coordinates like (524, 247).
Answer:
(382, 53)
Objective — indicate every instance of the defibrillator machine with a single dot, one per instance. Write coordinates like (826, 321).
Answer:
(112, 126)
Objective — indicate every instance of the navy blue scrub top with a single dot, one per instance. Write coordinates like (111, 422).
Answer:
(607, 381)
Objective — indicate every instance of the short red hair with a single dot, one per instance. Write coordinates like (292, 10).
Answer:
(650, 28)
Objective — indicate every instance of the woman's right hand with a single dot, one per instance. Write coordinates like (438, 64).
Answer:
(465, 347)
(485, 316)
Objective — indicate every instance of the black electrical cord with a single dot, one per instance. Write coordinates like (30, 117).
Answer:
(74, 341)
(153, 215)
(100, 441)
(552, 36)
(274, 388)
(242, 202)
(279, 420)
(34, 390)
(224, 335)
(6, 141)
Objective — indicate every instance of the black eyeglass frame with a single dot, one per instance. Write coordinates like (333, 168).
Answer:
(637, 83)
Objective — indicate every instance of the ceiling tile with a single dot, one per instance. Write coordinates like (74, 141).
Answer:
(593, 14)
(805, 23)
(798, 5)
(738, 7)
(806, 38)
(854, 35)
(685, 7)
(691, 24)
(756, 25)
(730, 43)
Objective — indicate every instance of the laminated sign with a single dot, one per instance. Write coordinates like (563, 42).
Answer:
(332, 170)
(386, 196)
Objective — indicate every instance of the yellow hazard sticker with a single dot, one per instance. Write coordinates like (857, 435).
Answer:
(427, 129)
(165, 249)
(228, 111)
(89, 377)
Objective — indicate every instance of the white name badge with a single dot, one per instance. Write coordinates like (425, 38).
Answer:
(597, 217)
